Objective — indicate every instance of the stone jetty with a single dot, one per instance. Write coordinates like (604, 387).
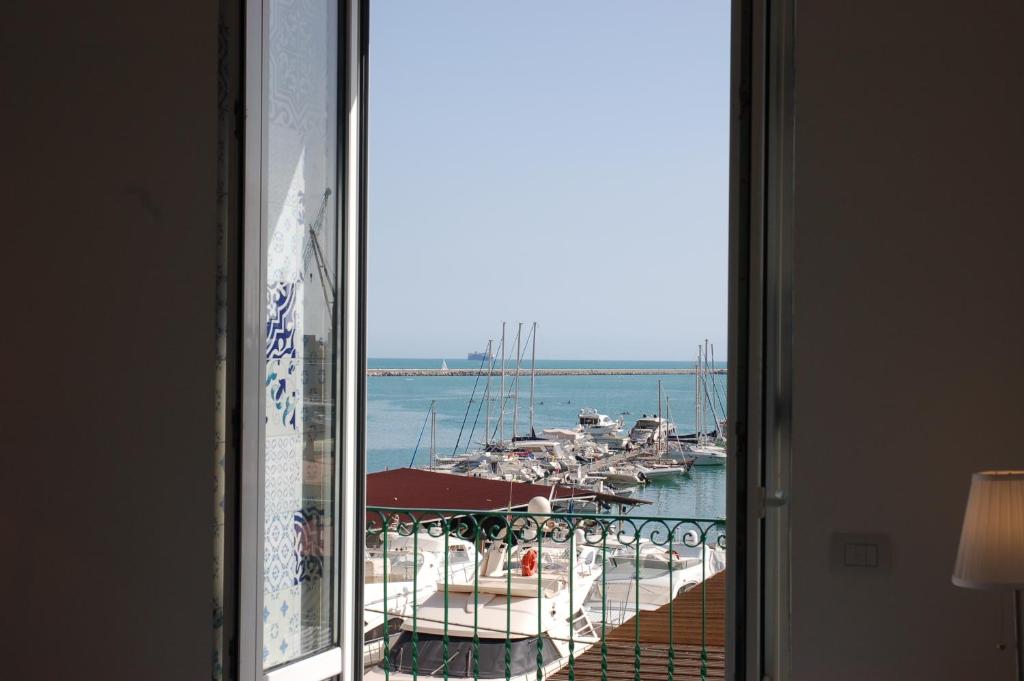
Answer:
(689, 371)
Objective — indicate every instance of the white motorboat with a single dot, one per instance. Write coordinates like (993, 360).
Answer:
(657, 472)
(459, 459)
(627, 473)
(592, 423)
(661, 574)
(569, 436)
(588, 450)
(650, 430)
(411, 570)
(602, 429)
(617, 440)
(549, 454)
(623, 490)
(707, 454)
(531, 615)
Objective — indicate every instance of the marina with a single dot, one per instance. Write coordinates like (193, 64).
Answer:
(399, 415)
(531, 530)
(534, 592)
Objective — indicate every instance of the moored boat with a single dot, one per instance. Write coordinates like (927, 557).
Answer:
(626, 473)
(626, 586)
(650, 430)
(510, 622)
(592, 423)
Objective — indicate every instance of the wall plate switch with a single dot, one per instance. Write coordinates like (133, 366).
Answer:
(856, 553)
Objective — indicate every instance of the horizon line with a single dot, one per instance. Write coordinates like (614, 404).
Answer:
(546, 359)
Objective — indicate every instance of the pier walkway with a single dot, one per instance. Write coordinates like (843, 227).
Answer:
(687, 640)
(539, 372)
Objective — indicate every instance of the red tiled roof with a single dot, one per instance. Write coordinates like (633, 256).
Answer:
(414, 488)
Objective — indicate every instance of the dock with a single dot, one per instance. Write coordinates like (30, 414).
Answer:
(680, 371)
(688, 638)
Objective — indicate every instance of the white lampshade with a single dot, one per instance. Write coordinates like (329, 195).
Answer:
(991, 554)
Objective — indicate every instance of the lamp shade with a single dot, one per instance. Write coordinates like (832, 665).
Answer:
(991, 554)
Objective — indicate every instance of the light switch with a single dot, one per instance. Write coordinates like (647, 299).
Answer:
(860, 553)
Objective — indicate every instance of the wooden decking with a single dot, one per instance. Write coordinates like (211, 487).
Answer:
(654, 640)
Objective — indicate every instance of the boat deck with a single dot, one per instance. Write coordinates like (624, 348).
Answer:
(654, 638)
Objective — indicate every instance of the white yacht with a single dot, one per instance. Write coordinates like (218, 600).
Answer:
(411, 571)
(567, 436)
(655, 472)
(592, 423)
(625, 473)
(650, 430)
(706, 454)
(531, 614)
(602, 429)
(423, 557)
(661, 575)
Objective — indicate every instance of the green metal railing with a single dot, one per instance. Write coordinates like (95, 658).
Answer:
(450, 570)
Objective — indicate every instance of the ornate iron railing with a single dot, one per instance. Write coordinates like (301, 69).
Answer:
(458, 594)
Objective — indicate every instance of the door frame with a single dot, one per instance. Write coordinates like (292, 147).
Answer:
(760, 342)
(762, 200)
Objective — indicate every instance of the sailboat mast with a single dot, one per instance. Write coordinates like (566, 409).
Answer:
(433, 432)
(659, 398)
(487, 395)
(501, 395)
(658, 433)
(707, 395)
(714, 387)
(703, 395)
(515, 403)
(696, 397)
(533, 377)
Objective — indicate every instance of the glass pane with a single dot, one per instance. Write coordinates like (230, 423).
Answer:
(300, 237)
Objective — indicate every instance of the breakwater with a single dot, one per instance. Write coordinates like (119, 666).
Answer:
(541, 372)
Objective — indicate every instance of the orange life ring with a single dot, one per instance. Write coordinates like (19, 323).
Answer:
(529, 563)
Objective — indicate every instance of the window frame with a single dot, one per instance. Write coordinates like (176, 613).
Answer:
(760, 344)
(344, 658)
(762, 199)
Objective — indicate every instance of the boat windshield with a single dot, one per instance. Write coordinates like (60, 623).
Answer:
(430, 656)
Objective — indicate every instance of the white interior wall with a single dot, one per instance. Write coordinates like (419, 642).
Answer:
(908, 324)
(109, 195)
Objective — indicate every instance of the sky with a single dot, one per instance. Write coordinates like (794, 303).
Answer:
(564, 162)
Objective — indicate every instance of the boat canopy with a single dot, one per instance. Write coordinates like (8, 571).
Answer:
(431, 650)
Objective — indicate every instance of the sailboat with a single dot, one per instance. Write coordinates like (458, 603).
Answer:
(444, 366)
(705, 452)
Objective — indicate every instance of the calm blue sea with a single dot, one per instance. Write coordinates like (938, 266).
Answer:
(397, 408)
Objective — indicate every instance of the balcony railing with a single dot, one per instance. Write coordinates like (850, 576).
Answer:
(460, 594)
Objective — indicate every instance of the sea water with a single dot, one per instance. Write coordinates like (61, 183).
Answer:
(398, 418)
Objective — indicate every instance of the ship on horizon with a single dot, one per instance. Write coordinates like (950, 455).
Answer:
(479, 356)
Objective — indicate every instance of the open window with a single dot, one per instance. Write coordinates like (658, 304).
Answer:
(301, 477)
(300, 352)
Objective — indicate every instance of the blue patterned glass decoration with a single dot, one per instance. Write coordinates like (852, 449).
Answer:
(301, 239)
(281, 320)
